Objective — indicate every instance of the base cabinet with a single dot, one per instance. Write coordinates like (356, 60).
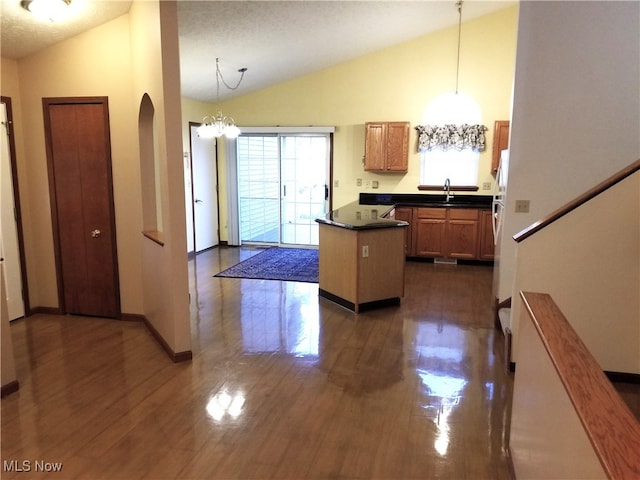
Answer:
(361, 269)
(459, 233)
(406, 215)
(487, 243)
(430, 231)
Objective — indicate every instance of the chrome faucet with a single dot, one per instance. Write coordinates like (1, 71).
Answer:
(447, 189)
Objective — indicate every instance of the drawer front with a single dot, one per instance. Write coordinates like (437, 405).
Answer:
(426, 212)
(463, 214)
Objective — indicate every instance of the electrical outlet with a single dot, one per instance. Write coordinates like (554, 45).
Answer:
(522, 206)
(336, 183)
(374, 184)
(365, 251)
(358, 182)
(486, 186)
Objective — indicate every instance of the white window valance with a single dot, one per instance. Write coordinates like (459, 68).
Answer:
(446, 137)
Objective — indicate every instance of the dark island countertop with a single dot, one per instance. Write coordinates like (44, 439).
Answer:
(357, 216)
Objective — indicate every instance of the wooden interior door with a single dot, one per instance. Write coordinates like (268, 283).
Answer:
(79, 159)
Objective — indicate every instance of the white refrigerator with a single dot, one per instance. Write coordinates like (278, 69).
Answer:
(498, 213)
(499, 195)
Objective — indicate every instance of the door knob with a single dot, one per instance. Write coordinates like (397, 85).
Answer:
(198, 200)
(96, 233)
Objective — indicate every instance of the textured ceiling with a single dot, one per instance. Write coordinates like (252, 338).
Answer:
(280, 40)
(275, 40)
(21, 34)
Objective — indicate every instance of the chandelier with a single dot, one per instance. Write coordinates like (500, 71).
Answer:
(218, 125)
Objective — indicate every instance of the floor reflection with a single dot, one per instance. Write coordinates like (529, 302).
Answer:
(280, 317)
(282, 385)
(222, 404)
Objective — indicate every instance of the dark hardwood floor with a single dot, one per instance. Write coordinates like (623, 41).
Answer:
(282, 385)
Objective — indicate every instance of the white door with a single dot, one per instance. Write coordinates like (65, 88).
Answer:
(205, 191)
(9, 249)
(282, 187)
(305, 196)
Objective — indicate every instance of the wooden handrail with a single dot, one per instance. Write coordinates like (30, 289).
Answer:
(610, 425)
(562, 211)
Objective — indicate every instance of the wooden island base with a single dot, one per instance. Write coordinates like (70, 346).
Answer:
(362, 268)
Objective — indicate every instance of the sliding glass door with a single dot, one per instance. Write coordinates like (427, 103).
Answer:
(282, 187)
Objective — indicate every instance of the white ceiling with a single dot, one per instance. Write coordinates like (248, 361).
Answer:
(275, 40)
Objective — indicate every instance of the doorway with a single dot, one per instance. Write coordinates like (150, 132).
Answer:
(81, 192)
(204, 191)
(283, 186)
(11, 245)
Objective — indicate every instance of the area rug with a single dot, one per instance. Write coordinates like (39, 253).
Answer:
(287, 264)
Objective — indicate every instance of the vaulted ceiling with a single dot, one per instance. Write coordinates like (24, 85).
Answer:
(275, 40)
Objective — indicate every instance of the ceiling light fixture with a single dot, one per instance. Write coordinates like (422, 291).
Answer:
(453, 107)
(452, 119)
(219, 124)
(47, 10)
(459, 7)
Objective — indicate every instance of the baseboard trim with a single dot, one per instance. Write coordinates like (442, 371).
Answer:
(176, 357)
(512, 470)
(360, 307)
(132, 317)
(45, 311)
(9, 388)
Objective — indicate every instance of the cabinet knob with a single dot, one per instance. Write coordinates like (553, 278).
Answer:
(95, 233)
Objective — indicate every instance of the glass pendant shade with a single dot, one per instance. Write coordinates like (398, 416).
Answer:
(452, 108)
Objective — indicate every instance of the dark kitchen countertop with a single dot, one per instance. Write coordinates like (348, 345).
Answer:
(426, 200)
(371, 208)
(358, 216)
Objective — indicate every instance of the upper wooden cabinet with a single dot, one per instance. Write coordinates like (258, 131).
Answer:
(500, 142)
(386, 147)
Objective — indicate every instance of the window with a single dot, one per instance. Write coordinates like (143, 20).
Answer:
(451, 140)
(460, 167)
(282, 183)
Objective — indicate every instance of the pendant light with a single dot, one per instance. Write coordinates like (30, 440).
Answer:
(218, 125)
(453, 107)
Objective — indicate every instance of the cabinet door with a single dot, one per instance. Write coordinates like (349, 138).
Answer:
(397, 146)
(430, 237)
(430, 232)
(487, 245)
(406, 214)
(462, 234)
(375, 147)
(500, 142)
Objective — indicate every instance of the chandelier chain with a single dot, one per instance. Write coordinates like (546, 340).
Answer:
(459, 6)
(219, 77)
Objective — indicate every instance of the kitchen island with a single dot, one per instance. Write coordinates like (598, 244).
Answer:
(362, 256)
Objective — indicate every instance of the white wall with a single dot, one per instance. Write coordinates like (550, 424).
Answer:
(541, 405)
(589, 262)
(7, 365)
(576, 110)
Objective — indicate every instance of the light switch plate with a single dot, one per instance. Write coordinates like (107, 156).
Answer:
(522, 206)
